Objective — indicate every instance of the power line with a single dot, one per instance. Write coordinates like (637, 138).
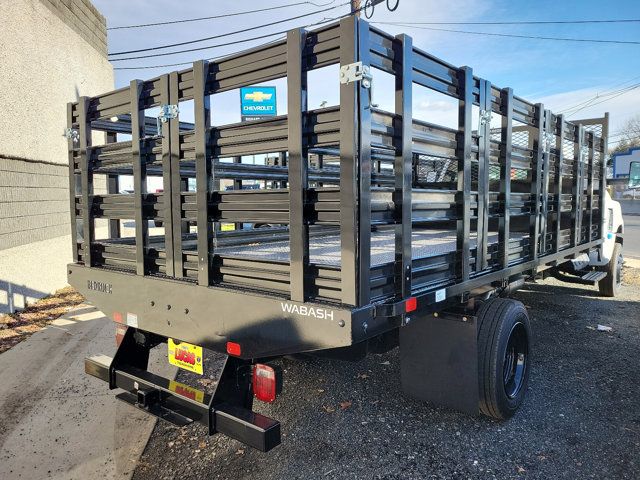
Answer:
(602, 101)
(565, 108)
(615, 138)
(618, 134)
(324, 20)
(633, 87)
(190, 42)
(589, 101)
(633, 139)
(191, 63)
(213, 17)
(520, 22)
(511, 35)
(235, 42)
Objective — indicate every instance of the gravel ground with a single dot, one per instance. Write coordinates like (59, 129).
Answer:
(581, 418)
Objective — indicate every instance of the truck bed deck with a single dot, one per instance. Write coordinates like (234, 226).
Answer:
(324, 247)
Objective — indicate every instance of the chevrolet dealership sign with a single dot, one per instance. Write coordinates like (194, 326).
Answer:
(257, 103)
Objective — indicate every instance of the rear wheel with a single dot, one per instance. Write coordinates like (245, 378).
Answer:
(610, 285)
(503, 356)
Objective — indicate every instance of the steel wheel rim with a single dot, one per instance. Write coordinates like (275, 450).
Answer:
(515, 360)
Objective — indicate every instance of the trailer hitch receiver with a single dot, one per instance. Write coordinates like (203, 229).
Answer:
(228, 410)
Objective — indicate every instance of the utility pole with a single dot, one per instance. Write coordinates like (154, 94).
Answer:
(355, 7)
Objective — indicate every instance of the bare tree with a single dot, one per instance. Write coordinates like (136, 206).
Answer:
(628, 136)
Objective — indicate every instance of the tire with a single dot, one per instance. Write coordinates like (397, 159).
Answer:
(610, 285)
(504, 349)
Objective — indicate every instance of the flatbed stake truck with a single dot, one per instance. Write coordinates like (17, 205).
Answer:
(370, 228)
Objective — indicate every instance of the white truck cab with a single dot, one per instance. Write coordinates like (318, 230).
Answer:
(604, 264)
(613, 228)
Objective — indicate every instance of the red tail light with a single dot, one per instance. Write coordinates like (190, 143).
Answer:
(411, 304)
(234, 349)
(120, 331)
(265, 382)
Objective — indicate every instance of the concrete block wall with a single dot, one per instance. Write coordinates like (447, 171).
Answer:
(52, 52)
(84, 19)
(34, 201)
(45, 64)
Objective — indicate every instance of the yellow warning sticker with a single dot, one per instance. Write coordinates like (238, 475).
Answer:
(227, 227)
(186, 391)
(185, 355)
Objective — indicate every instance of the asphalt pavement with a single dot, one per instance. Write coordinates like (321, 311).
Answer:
(631, 216)
(632, 236)
(57, 422)
(581, 418)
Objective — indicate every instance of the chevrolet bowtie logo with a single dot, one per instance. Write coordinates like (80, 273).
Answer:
(258, 96)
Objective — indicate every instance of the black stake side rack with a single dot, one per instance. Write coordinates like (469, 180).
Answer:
(359, 208)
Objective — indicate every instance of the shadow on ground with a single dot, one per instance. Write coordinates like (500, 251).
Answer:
(14, 297)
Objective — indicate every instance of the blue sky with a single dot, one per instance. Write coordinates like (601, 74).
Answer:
(560, 74)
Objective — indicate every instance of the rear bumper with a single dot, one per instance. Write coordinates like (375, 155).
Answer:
(211, 316)
(159, 397)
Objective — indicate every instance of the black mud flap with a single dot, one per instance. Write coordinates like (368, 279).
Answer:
(439, 361)
(227, 411)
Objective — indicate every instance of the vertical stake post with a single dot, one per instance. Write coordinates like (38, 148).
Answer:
(348, 166)
(546, 154)
(536, 191)
(484, 155)
(86, 179)
(139, 160)
(73, 185)
(463, 195)
(590, 187)
(505, 175)
(402, 197)
(604, 141)
(178, 224)
(167, 215)
(298, 164)
(559, 179)
(201, 107)
(363, 157)
(204, 180)
(578, 189)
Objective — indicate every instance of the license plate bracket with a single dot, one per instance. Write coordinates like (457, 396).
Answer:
(185, 355)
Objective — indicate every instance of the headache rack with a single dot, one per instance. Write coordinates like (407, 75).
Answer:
(358, 208)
